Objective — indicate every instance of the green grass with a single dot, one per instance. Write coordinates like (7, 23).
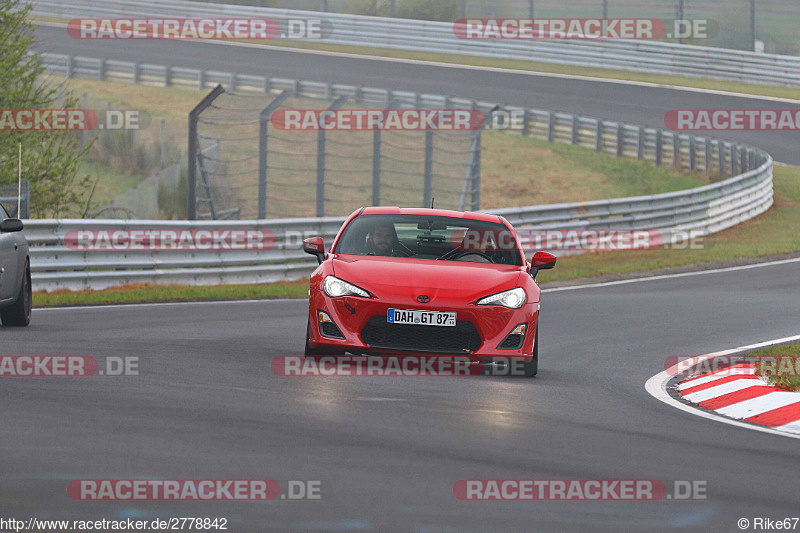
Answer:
(171, 293)
(783, 372)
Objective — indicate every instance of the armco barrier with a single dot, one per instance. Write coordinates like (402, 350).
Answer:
(640, 56)
(705, 210)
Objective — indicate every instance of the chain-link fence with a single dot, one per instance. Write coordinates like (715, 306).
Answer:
(263, 171)
(16, 199)
(775, 20)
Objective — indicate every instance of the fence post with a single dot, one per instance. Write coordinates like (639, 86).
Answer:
(427, 190)
(721, 158)
(163, 141)
(194, 115)
(321, 160)
(376, 166)
(475, 193)
(692, 152)
(70, 66)
(551, 119)
(620, 139)
(137, 74)
(102, 69)
(167, 76)
(707, 154)
(263, 150)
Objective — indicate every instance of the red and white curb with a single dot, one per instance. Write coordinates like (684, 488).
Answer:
(737, 392)
(742, 399)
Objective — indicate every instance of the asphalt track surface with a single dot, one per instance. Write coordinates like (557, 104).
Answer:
(613, 101)
(388, 451)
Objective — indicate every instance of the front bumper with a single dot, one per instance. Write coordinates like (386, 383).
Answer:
(479, 332)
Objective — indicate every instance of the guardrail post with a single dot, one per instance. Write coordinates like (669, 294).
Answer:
(743, 155)
(201, 80)
(721, 158)
(376, 166)
(526, 129)
(598, 136)
(575, 126)
(167, 76)
(692, 152)
(676, 151)
(70, 66)
(137, 73)
(194, 115)
(640, 143)
(659, 148)
(734, 162)
(620, 139)
(551, 124)
(427, 190)
(102, 70)
(263, 150)
(321, 160)
(232, 83)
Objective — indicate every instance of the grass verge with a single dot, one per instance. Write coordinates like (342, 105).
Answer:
(783, 372)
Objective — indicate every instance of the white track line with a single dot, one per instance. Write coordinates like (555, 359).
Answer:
(440, 64)
(656, 386)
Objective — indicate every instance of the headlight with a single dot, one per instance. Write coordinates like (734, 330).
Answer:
(335, 287)
(513, 299)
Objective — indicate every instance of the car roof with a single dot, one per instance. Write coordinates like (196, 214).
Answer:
(470, 215)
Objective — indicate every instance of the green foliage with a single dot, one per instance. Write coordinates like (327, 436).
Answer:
(442, 10)
(50, 159)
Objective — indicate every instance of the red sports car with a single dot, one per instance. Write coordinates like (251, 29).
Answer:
(403, 281)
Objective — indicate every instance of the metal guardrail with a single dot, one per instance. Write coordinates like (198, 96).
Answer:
(640, 56)
(55, 265)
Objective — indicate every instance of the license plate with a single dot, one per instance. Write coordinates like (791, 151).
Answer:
(420, 318)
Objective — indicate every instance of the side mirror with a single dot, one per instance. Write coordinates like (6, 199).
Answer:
(11, 225)
(316, 247)
(542, 261)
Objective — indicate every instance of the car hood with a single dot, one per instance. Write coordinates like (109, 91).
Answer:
(387, 276)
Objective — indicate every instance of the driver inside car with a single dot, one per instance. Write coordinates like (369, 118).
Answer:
(382, 239)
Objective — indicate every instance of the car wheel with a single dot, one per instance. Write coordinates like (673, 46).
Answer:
(530, 369)
(19, 314)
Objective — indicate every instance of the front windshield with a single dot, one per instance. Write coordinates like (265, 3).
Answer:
(430, 237)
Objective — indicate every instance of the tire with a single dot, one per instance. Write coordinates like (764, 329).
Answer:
(19, 313)
(530, 369)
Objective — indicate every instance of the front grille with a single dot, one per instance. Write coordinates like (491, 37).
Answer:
(461, 338)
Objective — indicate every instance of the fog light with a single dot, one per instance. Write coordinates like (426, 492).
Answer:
(327, 327)
(515, 339)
